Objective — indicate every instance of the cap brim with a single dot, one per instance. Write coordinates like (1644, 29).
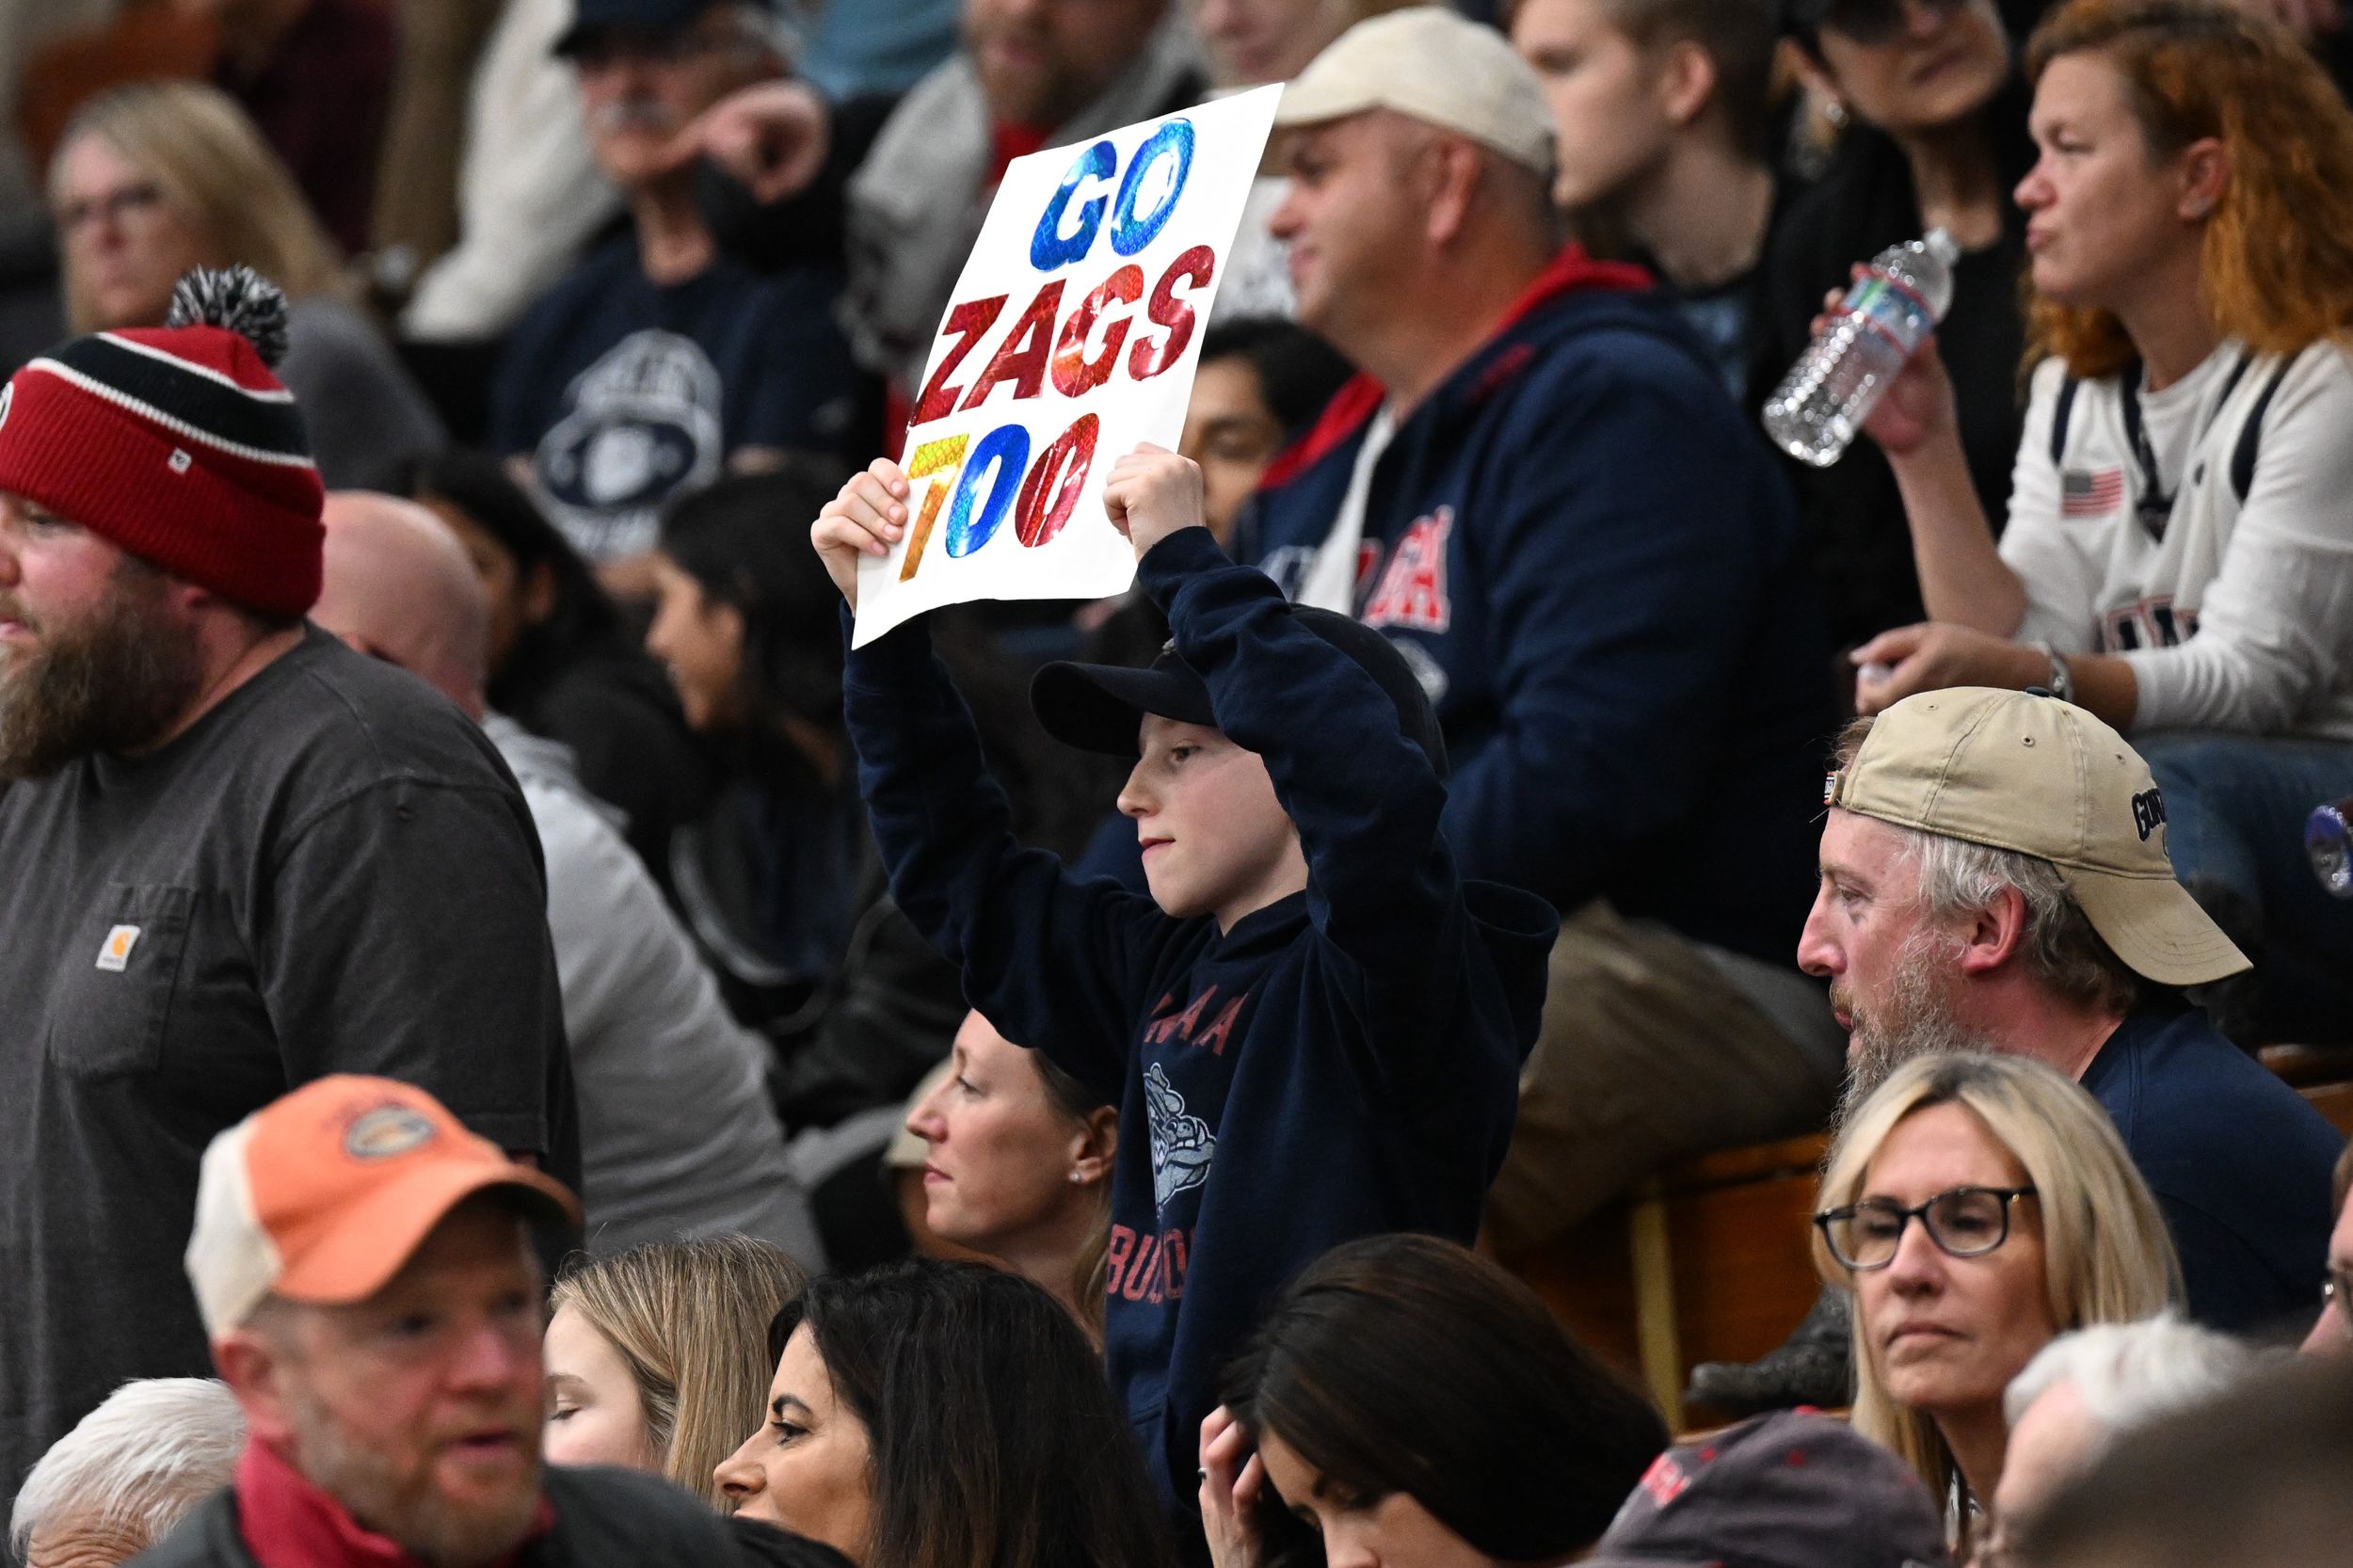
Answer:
(376, 1239)
(1101, 707)
(569, 41)
(2156, 927)
(1309, 101)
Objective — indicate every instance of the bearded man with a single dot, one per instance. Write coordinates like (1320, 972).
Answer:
(365, 1270)
(234, 856)
(1994, 877)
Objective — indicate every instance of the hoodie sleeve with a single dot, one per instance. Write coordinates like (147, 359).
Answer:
(1382, 886)
(1054, 962)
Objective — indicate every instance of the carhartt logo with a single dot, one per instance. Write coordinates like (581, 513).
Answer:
(114, 954)
(2147, 812)
(178, 462)
(387, 1130)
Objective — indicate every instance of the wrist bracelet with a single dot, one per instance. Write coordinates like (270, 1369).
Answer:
(2063, 685)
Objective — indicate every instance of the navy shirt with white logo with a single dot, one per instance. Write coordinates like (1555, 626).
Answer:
(625, 393)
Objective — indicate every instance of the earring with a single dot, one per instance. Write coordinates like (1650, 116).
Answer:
(1834, 112)
(1076, 1177)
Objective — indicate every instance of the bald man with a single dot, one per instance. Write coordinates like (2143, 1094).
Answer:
(678, 1133)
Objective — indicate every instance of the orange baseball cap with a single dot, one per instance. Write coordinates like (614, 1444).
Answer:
(323, 1194)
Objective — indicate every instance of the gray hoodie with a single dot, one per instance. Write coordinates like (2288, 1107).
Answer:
(678, 1133)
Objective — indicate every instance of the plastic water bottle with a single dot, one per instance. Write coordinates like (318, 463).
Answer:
(1891, 309)
(2329, 842)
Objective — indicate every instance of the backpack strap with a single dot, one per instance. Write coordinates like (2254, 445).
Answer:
(2250, 434)
(2060, 412)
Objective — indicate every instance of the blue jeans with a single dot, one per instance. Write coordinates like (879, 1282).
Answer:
(2235, 808)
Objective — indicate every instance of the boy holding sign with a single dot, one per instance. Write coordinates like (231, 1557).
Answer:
(1313, 1027)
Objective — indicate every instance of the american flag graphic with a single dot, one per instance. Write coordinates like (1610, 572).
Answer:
(2090, 493)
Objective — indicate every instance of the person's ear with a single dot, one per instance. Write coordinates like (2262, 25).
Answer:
(1456, 168)
(2205, 173)
(255, 1367)
(1994, 936)
(1098, 1146)
(1814, 74)
(537, 599)
(1687, 82)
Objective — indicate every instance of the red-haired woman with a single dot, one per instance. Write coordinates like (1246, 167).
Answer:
(2178, 555)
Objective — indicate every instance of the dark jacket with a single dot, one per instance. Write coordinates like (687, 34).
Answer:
(1580, 543)
(2238, 1162)
(604, 1518)
(1343, 1062)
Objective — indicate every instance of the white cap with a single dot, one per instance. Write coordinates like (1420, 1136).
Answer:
(1427, 62)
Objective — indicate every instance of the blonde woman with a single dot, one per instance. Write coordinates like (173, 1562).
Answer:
(1978, 1206)
(657, 1358)
(156, 178)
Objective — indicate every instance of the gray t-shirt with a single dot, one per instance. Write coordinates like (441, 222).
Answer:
(330, 871)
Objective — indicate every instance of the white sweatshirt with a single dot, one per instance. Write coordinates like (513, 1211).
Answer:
(2234, 617)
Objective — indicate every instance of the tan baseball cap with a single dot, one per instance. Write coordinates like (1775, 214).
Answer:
(1427, 62)
(323, 1193)
(2040, 777)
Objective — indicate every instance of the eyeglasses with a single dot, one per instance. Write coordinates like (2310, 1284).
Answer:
(1871, 23)
(1967, 1222)
(141, 198)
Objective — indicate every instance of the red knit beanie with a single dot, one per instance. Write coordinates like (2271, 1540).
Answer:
(177, 443)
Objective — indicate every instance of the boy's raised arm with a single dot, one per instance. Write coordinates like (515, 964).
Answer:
(1052, 962)
(1366, 800)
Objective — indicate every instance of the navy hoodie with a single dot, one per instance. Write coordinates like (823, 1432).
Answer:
(1344, 1061)
(1586, 550)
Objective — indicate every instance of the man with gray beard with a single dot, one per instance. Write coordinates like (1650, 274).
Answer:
(234, 855)
(659, 362)
(1994, 877)
(365, 1269)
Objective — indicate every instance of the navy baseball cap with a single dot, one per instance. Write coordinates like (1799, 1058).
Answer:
(646, 18)
(1100, 707)
(1794, 1489)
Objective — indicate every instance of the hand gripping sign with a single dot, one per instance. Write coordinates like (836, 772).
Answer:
(1073, 333)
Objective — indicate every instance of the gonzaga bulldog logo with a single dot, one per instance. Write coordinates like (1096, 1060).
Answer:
(1182, 1143)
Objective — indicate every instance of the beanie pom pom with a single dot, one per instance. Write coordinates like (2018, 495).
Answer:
(237, 298)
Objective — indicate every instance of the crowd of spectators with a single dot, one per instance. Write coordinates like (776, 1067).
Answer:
(525, 1049)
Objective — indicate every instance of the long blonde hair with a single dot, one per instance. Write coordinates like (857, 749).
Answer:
(689, 1318)
(2106, 1257)
(217, 174)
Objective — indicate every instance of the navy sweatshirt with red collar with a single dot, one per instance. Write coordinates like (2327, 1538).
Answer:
(1343, 1062)
(1587, 552)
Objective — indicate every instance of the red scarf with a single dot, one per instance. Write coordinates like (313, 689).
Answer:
(289, 1523)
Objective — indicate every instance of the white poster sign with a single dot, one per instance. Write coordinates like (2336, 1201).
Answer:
(1072, 336)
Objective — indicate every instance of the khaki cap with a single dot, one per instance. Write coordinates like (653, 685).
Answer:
(1427, 62)
(2040, 777)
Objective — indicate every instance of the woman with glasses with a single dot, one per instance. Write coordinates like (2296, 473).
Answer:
(155, 177)
(1977, 1207)
(1935, 137)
